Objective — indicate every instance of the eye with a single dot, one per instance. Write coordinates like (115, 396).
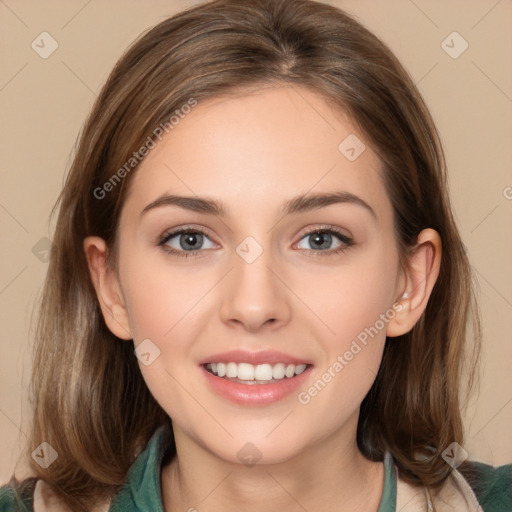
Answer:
(184, 242)
(323, 238)
(189, 241)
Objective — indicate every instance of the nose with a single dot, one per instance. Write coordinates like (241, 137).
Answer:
(255, 296)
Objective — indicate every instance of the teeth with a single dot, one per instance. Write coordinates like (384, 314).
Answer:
(260, 372)
(232, 370)
(263, 372)
(245, 371)
(221, 369)
(300, 368)
(278, 371)
(290, 370)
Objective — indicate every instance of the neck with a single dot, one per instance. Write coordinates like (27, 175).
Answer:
(331, 475)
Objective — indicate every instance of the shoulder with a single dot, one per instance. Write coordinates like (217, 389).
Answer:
(17, 496)
(34, 495)
(142, 484)
(491, 485)
(30, 495)
(473, 486)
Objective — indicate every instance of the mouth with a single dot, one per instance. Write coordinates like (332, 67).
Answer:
(251, 379)
(250, 374)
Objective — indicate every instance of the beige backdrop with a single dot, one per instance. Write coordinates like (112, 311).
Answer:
(44, 101)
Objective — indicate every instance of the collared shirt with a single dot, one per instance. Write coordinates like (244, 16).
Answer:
(142, 489)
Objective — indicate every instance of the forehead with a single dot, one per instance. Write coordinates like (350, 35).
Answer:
(254, 150)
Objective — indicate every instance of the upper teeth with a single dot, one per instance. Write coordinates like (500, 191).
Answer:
(246, 371)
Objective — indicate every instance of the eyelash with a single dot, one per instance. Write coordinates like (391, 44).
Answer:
(348, 242)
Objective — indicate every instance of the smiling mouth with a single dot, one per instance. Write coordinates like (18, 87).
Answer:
(246, 373)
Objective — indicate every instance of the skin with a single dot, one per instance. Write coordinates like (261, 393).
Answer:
(253, 151)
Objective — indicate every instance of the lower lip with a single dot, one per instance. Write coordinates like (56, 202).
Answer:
(255, 394)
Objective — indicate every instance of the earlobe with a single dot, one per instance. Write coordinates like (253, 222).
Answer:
(422, 271)
(107, 287)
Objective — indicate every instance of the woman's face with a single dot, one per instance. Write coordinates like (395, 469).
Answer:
(256, 279)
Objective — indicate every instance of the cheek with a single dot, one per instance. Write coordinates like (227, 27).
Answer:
(164, 306)
(351, 299)
(354, 305)
(167, 304)
(159, 296)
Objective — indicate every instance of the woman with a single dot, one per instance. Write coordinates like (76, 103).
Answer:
(257, 294)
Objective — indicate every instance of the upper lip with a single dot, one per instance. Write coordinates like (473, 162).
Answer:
(254, 358)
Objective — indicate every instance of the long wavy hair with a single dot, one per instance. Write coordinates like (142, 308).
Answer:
(90, 402)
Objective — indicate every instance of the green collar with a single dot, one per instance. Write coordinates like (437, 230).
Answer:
(142, 490)
(388, 500)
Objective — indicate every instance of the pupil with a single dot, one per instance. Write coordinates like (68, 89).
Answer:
(190, 240)
(319, 237)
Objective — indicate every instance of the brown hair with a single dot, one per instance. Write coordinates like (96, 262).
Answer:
(90, 401)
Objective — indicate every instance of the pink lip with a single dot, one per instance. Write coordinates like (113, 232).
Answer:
(261, 357)
(254, 394)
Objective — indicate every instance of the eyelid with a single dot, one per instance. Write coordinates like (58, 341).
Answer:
(324, 227)
(172, 232)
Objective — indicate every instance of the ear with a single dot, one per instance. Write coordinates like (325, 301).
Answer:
(421, 274)
(106, 284)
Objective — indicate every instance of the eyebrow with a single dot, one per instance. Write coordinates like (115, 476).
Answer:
(298, 204)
